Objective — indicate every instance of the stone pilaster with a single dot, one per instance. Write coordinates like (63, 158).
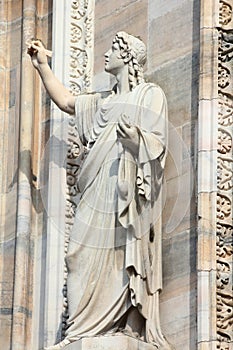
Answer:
(207, 180)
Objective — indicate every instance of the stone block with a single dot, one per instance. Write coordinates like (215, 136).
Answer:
(10, 42)
(207, 133)
(43, 8)
(207, 203)
(110, 342)
(175, 35)
(179, 209)
(209, 13)
(10, 10)
(174, 77)
(207, 167)
(211, 345)
(206, 303)
(208, 63)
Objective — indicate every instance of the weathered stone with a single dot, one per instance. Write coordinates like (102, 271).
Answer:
(110, 342)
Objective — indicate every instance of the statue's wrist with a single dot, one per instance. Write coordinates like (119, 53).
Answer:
(42, 66)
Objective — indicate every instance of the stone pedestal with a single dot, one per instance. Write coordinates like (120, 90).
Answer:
(111, 342)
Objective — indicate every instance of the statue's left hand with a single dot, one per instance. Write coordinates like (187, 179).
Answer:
(128, 135)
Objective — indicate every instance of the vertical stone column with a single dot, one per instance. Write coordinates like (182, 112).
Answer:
(22, 299)
(207, 179)
(10, 51)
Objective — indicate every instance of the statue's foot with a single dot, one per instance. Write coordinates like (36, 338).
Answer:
(60, 345)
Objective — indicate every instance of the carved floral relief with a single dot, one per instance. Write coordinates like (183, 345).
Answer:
(225, 172)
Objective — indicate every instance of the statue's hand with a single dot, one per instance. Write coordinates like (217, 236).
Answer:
(128, 135)
(37, 52)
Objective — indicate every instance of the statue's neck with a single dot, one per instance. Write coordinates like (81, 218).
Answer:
(122, 78)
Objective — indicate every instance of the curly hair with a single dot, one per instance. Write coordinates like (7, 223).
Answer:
(129, 44)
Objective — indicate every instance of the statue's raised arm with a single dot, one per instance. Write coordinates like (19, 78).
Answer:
(58, 93)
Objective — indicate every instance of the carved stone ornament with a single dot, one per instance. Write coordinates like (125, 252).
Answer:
(225, 172)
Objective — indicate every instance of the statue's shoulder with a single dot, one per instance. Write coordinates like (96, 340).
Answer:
(150, 86)
(95, 98)
(151, 90)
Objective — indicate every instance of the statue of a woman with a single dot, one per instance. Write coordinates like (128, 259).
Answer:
(114, 255)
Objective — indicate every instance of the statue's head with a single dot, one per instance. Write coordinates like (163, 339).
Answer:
(132, 51)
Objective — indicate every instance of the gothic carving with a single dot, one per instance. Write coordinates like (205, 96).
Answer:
(81, 45)
(224, 235)
(223, 206)
(225, 12)
(225, 109)
(224, 76)
(81, 61)
(224, 141)
(225, 174)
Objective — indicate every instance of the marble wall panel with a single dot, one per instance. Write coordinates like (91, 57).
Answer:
(130, 16)
(174, 65)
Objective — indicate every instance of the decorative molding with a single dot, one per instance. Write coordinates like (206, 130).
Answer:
(225, 171)
(80, 80)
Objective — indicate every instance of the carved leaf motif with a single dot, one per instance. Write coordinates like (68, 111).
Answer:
(226, 45)
(224, 141)
(75, 87)
(78, 8)
(78, 57)
(72, 171)
(224, 248)
(223, 76)
(76, 33)
(73, 150)
(225, 174)
(225, 233)
(225, 109)
(70, 209)
(225, 312)
(89, 29)
(223, 206)
(225, 13)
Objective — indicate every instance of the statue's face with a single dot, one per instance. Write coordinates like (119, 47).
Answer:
(113, 60)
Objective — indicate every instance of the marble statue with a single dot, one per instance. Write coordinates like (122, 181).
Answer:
(114, 256)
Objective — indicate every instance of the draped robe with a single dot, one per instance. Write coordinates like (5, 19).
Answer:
(114, 255)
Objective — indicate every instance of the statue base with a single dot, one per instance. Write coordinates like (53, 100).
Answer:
(110, 342)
